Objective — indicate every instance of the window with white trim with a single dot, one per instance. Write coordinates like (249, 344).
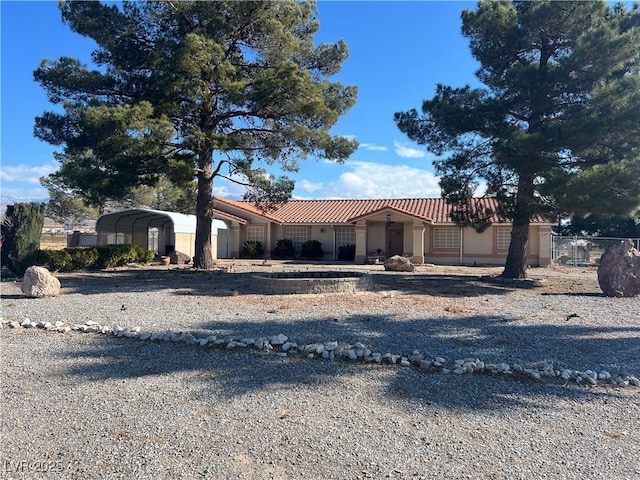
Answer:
(446, 237)
(297, 235)
(345, 236)
(503, 238)
(255, 233)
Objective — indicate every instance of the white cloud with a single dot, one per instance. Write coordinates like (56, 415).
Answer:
(373, 147)
(26, 173)
(228, 189)
(405, 151)
(308, 186)
(373, 180)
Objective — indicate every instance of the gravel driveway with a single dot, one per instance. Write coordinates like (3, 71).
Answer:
(86, 405)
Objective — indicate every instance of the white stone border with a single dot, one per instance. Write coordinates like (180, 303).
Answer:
(283, 347)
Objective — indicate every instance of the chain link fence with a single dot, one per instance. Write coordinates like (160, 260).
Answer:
(582, 251)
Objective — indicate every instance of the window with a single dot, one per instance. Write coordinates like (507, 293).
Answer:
(345, 236)
(297, 235)
(446, 237)
(255, 233)
(503, 238)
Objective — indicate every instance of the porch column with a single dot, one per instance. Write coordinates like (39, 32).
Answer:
(418, 242)
(361, 242)
(234, 241)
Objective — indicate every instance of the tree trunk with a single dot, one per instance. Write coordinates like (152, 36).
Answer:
(516, 263)
(203, 258)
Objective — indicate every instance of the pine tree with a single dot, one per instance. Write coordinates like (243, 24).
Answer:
(556, 127)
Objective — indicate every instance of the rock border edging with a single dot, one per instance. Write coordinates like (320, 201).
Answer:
(283, 347)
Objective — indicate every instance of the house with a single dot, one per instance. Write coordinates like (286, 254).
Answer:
(419, 228)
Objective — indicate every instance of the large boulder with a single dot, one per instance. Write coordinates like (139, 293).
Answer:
(619, 270)
(38, 282)
(179, 258)
(399, 264)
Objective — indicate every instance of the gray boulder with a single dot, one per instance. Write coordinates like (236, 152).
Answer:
(619, 270)
(398, 264)
(38, 282)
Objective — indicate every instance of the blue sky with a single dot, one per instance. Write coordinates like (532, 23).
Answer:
(399, 51)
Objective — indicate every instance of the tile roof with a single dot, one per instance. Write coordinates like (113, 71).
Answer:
(432, 210)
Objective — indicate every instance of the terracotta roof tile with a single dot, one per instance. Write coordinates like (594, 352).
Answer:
(435, 210)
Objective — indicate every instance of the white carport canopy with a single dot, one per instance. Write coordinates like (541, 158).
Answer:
(140, 220)
(176, 231)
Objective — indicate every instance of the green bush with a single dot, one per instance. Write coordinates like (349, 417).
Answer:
(347, 253)
(252, 249)
(311, 250)
(56, 260)
(119, 255)
(284, 249)
(21, 230)
(142, 255)
(82, 257)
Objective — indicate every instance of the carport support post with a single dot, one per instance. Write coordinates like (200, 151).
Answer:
(418, 242)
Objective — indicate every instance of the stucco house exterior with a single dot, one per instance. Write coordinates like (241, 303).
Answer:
(419, 228)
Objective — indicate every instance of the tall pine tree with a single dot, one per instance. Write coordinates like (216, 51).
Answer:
(194, 89)
(556, 127)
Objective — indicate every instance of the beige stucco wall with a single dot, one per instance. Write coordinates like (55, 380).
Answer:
(376, 234)
(474, 243)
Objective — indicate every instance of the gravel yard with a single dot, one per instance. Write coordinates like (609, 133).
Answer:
(86, 405)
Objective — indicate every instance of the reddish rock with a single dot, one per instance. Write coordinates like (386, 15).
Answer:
(179, 258)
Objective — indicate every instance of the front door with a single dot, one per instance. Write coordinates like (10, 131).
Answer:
(396, 241)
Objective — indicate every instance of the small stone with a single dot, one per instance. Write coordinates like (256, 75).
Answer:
(404, 362)
(445, 370)
(156, 336)
(358, 346)
(189, 339)
(144, 336)
(279, 339)
(331, 346)
(634, 381)
(425, 364)
(203, 341)
(326, 354)
(350, 354)
(287, 346)
(281, 354)
(459, 370)
(440, 360)
(14, 324)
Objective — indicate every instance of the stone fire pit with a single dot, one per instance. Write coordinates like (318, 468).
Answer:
(285, 283)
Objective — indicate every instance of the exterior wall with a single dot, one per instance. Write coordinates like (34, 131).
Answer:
(482, 248)
(376, 237)
(186, 242)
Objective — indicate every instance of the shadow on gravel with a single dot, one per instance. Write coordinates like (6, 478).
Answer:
(219, 284)
(495, 340)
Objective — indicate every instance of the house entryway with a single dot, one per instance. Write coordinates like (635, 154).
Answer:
(395, 242)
